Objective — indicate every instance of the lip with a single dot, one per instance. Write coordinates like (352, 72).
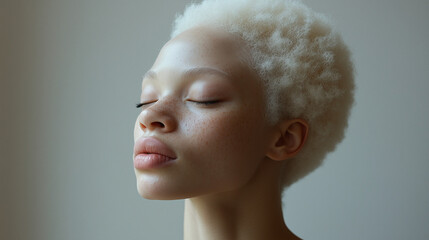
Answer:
(151, 153)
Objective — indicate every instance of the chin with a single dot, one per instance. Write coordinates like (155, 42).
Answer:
(160, 195)
(152, 194)
(164, 187)
(157, 191)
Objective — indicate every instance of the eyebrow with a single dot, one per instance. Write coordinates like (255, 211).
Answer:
(192, 71)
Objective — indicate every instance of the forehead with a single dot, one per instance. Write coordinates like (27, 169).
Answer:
(204, 47)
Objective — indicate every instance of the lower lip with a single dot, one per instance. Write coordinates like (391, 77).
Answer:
(149, 161)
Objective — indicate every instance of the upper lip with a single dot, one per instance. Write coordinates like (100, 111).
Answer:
(151, 145)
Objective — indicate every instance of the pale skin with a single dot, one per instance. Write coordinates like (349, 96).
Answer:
(207, 105)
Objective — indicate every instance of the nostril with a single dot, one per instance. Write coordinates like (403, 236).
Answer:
(158, 124)
(152, 125)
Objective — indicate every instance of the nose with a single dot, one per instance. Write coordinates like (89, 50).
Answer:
(157, 118)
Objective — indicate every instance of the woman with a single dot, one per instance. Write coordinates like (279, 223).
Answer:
(247, 97)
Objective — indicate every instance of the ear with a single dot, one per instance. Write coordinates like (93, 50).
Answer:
(288, 140)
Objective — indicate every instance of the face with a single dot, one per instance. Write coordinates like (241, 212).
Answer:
(202, 128)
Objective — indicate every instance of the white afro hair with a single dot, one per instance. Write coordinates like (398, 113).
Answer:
(302, 61)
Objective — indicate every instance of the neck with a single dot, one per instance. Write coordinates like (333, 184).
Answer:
(251, 212)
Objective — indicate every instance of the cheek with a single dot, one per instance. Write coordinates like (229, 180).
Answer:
(228, 142)
(241, 129)
(218, 131)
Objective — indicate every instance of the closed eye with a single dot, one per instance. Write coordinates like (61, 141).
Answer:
(139, 105)
(206, 103)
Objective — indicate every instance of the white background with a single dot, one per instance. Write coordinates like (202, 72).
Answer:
(70, 77)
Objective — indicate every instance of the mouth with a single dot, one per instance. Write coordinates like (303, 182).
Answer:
(151, 153)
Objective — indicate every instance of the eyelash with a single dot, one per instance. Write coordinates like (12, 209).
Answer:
(139, 105)
(206, 103)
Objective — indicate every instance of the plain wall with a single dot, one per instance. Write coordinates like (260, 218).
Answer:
(71, 75)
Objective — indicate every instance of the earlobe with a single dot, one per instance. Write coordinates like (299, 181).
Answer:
(289, 138)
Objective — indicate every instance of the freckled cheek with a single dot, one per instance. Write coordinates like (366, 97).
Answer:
(220, 132)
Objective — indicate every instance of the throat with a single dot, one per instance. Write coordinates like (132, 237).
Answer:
(239, 218)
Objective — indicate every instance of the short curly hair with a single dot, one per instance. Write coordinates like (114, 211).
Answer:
(302, 61)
